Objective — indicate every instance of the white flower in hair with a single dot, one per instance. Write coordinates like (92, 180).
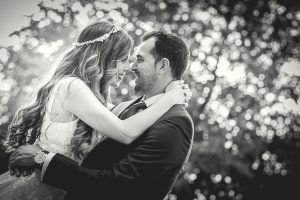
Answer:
(116, 28)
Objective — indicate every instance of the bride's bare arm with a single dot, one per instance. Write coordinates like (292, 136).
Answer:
(83, 103)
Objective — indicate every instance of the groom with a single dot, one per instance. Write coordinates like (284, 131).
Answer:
(147, 168)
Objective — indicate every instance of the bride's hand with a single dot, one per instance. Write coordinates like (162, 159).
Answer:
(179, 92)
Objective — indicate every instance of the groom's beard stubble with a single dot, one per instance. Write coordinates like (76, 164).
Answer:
(145, 85)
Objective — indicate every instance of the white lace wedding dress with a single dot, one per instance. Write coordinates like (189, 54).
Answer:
(55, 137)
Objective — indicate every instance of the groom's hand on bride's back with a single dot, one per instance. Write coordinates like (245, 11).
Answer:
(21, 162)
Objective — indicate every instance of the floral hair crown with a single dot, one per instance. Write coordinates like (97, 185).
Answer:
(116, 28)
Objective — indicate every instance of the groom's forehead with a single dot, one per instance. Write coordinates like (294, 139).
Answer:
(146, 47)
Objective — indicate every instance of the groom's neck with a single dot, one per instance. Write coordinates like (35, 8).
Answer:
(158, 88)
(152, 94)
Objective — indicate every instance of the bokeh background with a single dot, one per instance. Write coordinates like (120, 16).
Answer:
(244, 73)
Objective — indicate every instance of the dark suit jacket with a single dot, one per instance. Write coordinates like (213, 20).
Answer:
(145, 169)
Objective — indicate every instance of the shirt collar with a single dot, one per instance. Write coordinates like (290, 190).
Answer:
(152, 100)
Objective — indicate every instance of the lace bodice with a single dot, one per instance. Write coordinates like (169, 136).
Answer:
(56, 136)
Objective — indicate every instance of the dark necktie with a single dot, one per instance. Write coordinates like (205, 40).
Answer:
(132, 110)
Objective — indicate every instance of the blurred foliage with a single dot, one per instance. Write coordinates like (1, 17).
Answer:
(245, 106)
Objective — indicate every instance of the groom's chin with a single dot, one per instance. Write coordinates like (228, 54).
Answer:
(137, 89)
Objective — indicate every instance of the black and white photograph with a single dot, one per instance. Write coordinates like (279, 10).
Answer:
(149, 100)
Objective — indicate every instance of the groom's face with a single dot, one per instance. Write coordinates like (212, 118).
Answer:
(144, 67)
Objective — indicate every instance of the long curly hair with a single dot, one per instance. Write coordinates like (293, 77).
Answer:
(95, 64)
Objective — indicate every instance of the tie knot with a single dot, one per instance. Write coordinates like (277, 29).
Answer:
(132, 110)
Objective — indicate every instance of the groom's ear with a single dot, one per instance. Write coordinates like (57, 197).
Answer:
(164, 65)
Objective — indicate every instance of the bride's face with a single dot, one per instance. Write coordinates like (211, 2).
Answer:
(121, 68)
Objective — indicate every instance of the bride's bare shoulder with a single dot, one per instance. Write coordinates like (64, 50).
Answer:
(73, 84)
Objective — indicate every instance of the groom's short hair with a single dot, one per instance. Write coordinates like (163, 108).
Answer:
(173, 48)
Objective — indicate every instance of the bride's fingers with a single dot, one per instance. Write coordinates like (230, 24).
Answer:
(12, 171)
(185, 86)
(25, 172)
(17, 172)
(187, 92)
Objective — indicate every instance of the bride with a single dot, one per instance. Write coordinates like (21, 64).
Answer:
(59, 120)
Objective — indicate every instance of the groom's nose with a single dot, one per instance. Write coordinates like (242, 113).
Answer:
(133, 66)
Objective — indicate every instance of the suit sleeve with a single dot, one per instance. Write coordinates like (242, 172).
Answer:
(163, 149)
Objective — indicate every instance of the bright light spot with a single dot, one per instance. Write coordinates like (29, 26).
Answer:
(138, 32)
(54, 16)
(255, 165)
(57, 4)
(202, 116)
(124, 91)
(13, 13)
(3, 55)
(212, 197)
(162, 6)
(279, 107)
(129, 27)
(77, 6)
(195, 67)
(100, 14)
(201, 55)
(224, 111)
(202, 16)
(201, 100)
(212, 62)
(48, 48)
(217, 178)
(228, 144)
(251, 89)
(291, 68)
(266, 155)
(83, 17)
(198, 37)
(116, 15)
(234, 75)
(38, 16)
(190, 177)
(265, 111)
(250, 126)
(5, 87)
(231, 193)
(132, 83)
(270, 97)
(147, 26)
(291, 105)
(206, 44)
(44, 23)
(227, 179)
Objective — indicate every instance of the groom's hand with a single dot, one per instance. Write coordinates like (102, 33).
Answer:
(22, 160)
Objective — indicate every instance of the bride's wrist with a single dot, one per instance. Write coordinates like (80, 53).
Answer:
(170, 98)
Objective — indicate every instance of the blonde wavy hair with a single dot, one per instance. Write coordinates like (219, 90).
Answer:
(87, 62)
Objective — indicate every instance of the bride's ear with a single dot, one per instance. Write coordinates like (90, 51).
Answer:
(164, 65)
